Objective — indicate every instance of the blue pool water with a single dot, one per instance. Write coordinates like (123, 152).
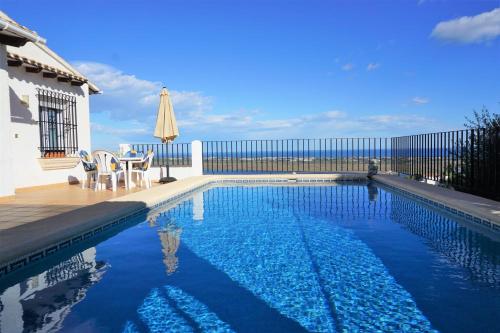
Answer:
(345, 258)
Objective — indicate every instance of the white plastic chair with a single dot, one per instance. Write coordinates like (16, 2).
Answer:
(143, 169)
(108, 165)
(89, 168)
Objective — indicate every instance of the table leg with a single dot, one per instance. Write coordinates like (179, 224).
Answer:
(129, 175)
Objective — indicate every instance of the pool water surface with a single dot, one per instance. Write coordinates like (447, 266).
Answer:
(352, 257)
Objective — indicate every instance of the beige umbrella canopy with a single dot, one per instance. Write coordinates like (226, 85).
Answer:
(166, 126)
(170, 238)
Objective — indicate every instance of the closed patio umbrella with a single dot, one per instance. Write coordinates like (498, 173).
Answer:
(170, 237)
(166, 125)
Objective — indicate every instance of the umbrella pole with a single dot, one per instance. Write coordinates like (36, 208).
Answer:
(168, 164)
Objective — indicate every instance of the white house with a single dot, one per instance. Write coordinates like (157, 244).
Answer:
(66, 284)
(44, 111)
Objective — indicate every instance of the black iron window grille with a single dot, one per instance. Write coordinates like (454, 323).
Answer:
(58, 124)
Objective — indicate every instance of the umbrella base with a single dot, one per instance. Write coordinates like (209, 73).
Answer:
(164, 180)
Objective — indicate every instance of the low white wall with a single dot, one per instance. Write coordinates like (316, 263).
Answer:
(176, 172)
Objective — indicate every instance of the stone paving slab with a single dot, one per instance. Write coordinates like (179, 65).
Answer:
(465, 202)
(36, 203)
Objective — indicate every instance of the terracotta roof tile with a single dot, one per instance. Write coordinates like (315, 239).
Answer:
(13, 56)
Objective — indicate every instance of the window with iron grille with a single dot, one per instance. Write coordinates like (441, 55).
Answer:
(58, 124)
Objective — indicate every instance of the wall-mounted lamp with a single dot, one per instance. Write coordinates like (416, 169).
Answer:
(25, 100)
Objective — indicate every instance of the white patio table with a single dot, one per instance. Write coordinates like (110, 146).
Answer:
(130, 160)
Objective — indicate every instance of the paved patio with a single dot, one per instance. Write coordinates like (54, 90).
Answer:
(38, 203)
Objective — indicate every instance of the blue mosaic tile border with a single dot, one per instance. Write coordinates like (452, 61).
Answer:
(462, 214)
(33, 257)
(288, 180)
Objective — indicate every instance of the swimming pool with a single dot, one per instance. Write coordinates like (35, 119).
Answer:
(352, 257)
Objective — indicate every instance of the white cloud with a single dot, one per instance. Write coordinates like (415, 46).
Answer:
(311, 120)
(396, 121)
(127, 97)
(134, 129)
(347, 67)
(314, 125)
(114, 81)
(126, 112)
(420, 100)
(192, 101)
(470, 29)
(372, 66)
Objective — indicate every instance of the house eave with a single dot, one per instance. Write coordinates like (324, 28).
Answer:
(33, 66)
(12, 34)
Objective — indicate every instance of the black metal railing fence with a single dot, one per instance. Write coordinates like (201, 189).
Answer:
(171, 154)
(467, 160)
(295, 155)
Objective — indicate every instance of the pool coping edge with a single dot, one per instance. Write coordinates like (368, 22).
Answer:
(155, 202)
(18, 261)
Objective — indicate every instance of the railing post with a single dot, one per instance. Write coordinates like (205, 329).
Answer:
(197, 158)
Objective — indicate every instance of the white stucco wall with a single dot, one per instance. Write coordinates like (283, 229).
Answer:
(24, 129)
(6, 180)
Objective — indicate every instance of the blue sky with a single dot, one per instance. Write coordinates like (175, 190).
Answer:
(277, 69)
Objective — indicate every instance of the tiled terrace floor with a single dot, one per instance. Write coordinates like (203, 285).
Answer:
(34, 204)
